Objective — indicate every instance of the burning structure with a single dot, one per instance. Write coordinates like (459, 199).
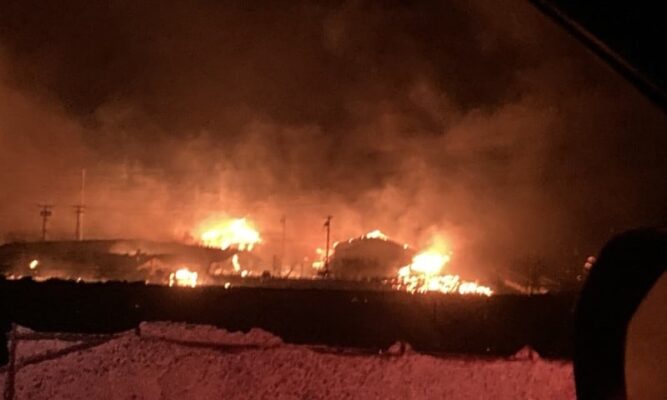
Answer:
(236, 233)
(114, 260)
(372, 255)
(375, 256)
(224, 249)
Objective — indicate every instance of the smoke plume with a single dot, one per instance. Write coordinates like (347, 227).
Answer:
(480, 122)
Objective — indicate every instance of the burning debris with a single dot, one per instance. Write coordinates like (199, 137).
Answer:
(447, 283)
(183, 277)
(236, 264)
(425, 274)
(235, 234)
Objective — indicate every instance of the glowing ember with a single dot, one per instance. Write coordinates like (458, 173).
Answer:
(33, 264)
(183, 277)
(237, 233)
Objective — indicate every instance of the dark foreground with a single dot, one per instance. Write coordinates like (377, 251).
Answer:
(433, 323)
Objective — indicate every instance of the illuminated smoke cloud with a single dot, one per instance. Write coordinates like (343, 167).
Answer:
(483, 122)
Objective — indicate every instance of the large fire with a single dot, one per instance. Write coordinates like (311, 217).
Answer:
(425, 274)
(231, 233)
(429, 262)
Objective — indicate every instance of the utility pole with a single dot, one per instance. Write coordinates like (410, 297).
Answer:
(327, 225)
(45, 213)
(80, 208)
(283, 222)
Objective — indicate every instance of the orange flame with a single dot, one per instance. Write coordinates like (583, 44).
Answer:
(474, 288)
(183, 277)
(238, 268)
(236, 263)
(318, 264)
(429, 262)
(376, 234)
(237, 233)
(424, 274)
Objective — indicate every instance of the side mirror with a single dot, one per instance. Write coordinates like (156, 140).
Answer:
(621, 321)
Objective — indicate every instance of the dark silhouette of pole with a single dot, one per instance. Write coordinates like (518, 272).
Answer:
(283, 222)
(327, 225)
(80, 208)
(45, 213)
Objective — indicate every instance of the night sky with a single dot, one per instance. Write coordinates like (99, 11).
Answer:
(484, 122)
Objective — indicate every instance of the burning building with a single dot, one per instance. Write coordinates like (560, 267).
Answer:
(373, 255)
(120, 260)
(226, 249)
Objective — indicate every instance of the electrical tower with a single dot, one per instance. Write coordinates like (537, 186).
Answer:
(45, 213)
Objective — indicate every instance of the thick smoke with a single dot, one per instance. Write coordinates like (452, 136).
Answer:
(483, 123)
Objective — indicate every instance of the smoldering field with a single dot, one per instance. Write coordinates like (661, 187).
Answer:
(484, 124)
